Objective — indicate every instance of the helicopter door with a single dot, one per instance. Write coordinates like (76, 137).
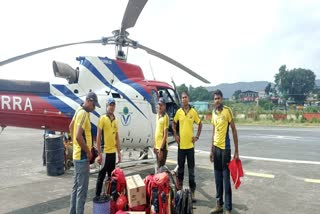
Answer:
(135, 123)
(172, 105)
(176, 94)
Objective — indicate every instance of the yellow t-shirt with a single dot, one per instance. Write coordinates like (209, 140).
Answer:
(82, 119)
(221, 121)
(109, 130)
(162, 123)
(186, 121)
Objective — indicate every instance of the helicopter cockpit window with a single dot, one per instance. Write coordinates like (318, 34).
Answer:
(165, 95)
(154, 101)
(169, 95)
(173, 95)
(171, 99)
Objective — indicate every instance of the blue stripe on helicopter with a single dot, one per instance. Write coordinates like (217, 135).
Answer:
(100, 77)
(116, 70)
(68, 93)
(65, 109)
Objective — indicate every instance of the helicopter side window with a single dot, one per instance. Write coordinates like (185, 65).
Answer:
(154, 101)
(116, 95)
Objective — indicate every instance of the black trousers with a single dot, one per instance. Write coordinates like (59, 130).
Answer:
(188, 154)
(221, 159)
(109, 165)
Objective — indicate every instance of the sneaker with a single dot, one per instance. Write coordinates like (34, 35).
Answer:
(193, 197)
(216, 209)
(228, 212)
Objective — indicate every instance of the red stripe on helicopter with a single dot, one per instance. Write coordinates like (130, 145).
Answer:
(32, 111)
(135, 74)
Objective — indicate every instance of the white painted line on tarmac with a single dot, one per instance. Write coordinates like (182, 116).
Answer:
(312, 180)
(171, 161)
(278, 137)
(280, 160)
(263, 175)
(259, 158)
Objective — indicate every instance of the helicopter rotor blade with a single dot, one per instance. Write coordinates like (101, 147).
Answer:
(172, 61)
(16, 58)
(132, 13)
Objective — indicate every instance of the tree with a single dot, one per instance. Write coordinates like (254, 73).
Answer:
(200, 94)
(267, 90)
(236, 94)
(265, 104)
(296, 83)
(195, 94)
(191, 89)
(182, 88)
(316, 91)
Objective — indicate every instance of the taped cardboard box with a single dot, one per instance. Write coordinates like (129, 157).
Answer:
(136, 191)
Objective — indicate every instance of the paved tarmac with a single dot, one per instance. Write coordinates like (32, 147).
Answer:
(282, 173)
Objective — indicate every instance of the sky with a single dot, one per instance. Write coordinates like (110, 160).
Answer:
(223, 41)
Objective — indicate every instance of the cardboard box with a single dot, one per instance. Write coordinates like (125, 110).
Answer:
(136, 191)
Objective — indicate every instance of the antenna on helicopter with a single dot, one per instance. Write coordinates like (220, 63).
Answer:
(154, 78)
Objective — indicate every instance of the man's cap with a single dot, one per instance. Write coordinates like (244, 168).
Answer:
(93, 97)
(110, 100)
(161, 101)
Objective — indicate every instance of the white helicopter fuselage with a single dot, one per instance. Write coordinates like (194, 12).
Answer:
(135, 104)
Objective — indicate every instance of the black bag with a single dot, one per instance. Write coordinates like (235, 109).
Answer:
(183, 202)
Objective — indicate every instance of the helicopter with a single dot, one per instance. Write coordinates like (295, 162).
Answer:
(47, 106)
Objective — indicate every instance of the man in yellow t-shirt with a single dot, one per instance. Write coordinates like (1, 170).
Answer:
(186, 116)
(107, 143)
(161, 135)
(220, 153)
(80, 128)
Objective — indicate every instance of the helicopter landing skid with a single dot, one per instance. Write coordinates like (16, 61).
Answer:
(95, 168)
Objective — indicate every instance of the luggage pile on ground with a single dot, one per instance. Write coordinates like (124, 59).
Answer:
(155, 194)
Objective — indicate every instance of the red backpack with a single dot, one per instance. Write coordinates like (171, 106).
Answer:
(117, 184)
(117, 187)
(147, 183)
(158, 193)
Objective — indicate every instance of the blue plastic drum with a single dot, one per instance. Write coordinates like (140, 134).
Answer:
(101, 205)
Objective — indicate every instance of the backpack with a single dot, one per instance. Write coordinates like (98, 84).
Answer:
(158, 187)
(147, 182)
(183, 202)
(174, 185)
(122, 202)
(117, 184)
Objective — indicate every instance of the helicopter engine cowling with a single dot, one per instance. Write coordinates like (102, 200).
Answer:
(64, 70)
